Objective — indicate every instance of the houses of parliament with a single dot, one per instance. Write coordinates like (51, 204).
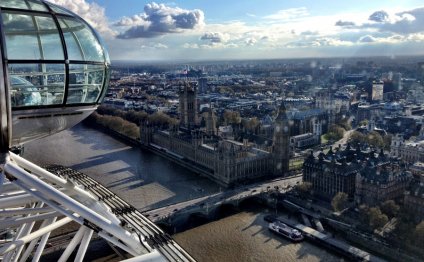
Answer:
(225, 161)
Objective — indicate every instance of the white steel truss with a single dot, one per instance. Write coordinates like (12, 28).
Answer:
(34, 202)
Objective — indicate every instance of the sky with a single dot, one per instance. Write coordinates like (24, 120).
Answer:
(254, 29)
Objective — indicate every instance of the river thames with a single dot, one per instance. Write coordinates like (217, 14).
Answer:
(143, 179)
(148, 181)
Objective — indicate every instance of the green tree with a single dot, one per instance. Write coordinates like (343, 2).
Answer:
(357, 137)
(404, 230)
(232, 117)
(376, 218)
(387, 140)
(418, 235)
(162, 119)
(339, 201)
(345, 123)
(117, 124)
(251, 124)
(136, 117)
(304, 188)
(372, 138)
(375, 139)
(363, 123)
(335, 132)
(390, 208)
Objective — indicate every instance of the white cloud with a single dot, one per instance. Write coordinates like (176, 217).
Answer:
(160, 19)
(154, 46)
(289, 14)
(250, 41)
(379, 16)
(215, 37)
(345, 23)
(406, 22)
(93, 13)
(190, 46)
(255, 36)
(319, 42)
(367, 39)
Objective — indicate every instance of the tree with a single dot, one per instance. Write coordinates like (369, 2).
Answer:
(418, 235)
(232, 117)
(335, 132)
(304, 188)
(136, 117)
(357, 137)
(375, 139)
(404, 230)
(162, 119)
(251, 124)
(339, 201)
(345, 123)
(363, 123)
(376, 218)
(390, 208)
(387, 139)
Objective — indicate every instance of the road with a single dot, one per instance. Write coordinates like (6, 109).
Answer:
(345, 138)
(206, 202)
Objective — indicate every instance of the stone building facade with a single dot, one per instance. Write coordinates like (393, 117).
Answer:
(227, 161)
(188, 106)
(377, 184)
(410, 151)
(367, 176)
(414, 199)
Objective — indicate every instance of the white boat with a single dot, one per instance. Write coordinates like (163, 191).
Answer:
(285, 230)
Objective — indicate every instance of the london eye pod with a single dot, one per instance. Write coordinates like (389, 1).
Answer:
(54, 70)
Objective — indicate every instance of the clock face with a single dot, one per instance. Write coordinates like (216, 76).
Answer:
(285, 129)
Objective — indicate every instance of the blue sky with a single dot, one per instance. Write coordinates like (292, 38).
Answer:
(254, 29)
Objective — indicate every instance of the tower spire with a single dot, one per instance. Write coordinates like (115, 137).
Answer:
(282, 114)
(281, 142)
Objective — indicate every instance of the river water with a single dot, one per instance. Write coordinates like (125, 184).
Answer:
(148, 181)
(143, 179)
(245, 237)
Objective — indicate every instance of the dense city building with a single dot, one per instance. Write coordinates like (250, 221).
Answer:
(410, 151)
(337, 170)
(226, 161)
(335, 104)
(376, 184)
(414, 199)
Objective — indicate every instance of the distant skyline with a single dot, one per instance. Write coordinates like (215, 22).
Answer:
(254, 29)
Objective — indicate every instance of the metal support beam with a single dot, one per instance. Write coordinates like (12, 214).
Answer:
(43, 242)
(25, 239)
(13, 222)
(23, 231)
(24, 211)
(73, 205)
(72, 245)
(84, 245)
(77, 200)
(154, 256)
